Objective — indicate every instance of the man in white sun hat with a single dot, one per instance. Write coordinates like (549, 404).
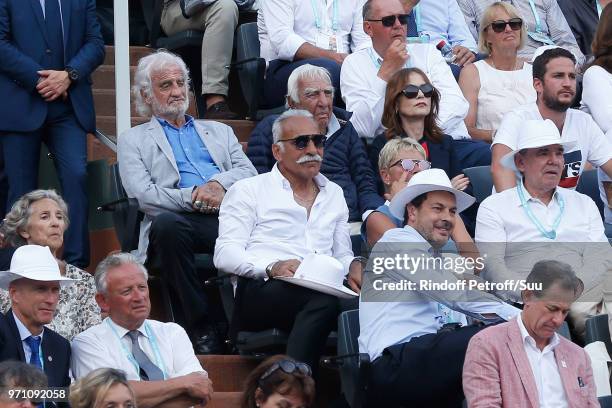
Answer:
(415, 340)
(529, 222)
(33, 283)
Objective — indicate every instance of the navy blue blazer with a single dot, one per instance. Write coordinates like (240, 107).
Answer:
(22, 49)
(55, 349)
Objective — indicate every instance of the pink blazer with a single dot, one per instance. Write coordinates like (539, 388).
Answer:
(496, 372)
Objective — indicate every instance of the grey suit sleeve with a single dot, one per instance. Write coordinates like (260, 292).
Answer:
(241, 166)
(136, 178)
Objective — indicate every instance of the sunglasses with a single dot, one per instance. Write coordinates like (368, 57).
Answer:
(410, 164)
(499, 26)
(389, 21)
(301, 142)
(289, 367)
(412, 91)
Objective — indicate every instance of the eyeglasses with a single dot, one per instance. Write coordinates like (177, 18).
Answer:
(410, 164)
(289, 367)
(302, 141)
(412, 91)
(499, 26)
(389, 21)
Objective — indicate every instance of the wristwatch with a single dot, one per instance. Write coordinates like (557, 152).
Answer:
(73, 74)
(269, 269)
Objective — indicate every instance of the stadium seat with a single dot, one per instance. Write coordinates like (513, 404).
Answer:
(354, 366)
(251, 70)
(605, 401)
(589, 185)
(597, 330)
(565, 331)
(481, 180)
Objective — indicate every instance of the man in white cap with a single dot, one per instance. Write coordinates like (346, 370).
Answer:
(554, 79)
(33, 283)
(414, 336)
(522, 222)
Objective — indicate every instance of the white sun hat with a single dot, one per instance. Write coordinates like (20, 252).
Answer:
(424, 182)
(534, 134)
(33, 262)
(322, 273)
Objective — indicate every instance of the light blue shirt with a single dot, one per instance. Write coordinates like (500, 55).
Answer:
(194, 163)
(384, 324)
(443, 20)
(24, 333)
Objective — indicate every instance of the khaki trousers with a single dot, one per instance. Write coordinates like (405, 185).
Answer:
(218, 21)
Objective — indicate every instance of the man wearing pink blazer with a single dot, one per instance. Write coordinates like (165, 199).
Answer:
(524, 362)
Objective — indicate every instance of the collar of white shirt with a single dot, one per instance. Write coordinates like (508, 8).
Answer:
(333, 126)
(527, 339)
(121, 331)
(24, 333)
(278, 177)
(529, 197)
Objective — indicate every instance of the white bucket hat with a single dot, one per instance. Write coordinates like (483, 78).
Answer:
(534, 134)
(33, 262)
(322, 273)
(424, 182)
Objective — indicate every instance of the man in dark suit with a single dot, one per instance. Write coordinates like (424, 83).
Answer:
(48, 49)
(33, 283)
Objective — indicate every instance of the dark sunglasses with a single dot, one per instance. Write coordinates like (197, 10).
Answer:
(389, 21)
(289, 367)
(412, 91)
(301, 142)
(499, 26)
(410, 164)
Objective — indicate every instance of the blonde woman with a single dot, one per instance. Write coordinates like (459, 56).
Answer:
(102, 388)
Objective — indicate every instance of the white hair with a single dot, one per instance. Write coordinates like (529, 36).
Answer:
(114, 261)
(277, 127)
(158, 61)
(305, 72)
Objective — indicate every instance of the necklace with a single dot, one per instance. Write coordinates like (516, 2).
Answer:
(315, 191)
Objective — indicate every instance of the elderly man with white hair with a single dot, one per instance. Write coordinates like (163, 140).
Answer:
(345, 161)
(178, 169)
(270, 223)
(537, 219)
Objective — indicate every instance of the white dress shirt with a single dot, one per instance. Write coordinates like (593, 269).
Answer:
(363, 90)
(517, 244)
(107, 345)
(384, 324)
(596, 91)
(260, 223)
(591, 144)
(551, 393)
(284, 25)
(24, 333)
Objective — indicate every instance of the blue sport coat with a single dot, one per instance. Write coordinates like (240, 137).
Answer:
(23, 44)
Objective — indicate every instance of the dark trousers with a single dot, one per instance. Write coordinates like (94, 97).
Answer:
(307, 315)
(472, 153)
(67, 142)
(277, 74)
(173, 240)
(425, 372)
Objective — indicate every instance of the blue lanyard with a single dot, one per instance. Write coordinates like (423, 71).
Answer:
(152, 341)
(315, 11)
(537, 17)
(552, 234)
(376, 61)
(599, 10)
(417, 18)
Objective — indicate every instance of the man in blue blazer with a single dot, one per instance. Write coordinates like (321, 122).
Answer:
(48, 49)
(33, 283)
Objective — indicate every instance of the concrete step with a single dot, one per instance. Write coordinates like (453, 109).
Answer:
(104, 77)
(228, 373)
(136, 53)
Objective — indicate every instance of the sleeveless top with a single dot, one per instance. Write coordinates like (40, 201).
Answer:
(500, 92)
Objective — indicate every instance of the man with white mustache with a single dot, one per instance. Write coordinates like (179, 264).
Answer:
(269, 223)
(178, 169)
